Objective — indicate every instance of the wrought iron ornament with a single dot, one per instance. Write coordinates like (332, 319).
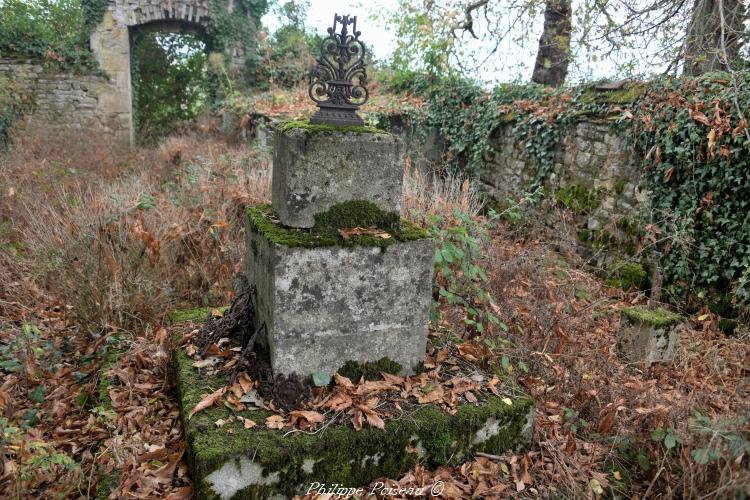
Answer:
(338, 82)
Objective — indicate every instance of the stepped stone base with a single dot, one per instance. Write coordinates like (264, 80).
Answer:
(231, 462)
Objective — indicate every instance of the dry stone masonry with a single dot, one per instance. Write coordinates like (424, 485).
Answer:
(66, 98)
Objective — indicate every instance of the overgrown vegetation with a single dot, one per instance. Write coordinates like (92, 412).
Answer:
(54, 30)
(170, 82)
(694, 139)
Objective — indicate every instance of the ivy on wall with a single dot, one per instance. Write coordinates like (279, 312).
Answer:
(93, 13)
(235, 27)
(696, 150)
(695, 147)
(467, 116)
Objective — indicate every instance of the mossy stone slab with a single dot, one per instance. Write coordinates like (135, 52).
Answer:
(231, 462)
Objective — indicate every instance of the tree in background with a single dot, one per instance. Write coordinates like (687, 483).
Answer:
(289, 49)
(714, 36)
(51, 29)
(636, 36)
(554, 52)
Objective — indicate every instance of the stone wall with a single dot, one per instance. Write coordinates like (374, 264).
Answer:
(68, 99)
(592, 160)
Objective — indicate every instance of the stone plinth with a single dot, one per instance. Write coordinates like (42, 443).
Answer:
(648, 335)
(326, 300)
(318, 166)
(231, 462)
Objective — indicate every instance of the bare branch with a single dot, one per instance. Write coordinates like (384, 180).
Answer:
(468, 22)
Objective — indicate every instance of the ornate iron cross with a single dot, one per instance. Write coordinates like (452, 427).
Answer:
(338, 82)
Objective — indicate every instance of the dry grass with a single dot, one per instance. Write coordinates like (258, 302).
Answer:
(428, 195)
(125, 242)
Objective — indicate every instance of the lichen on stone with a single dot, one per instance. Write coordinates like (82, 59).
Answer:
(317, 128)
(325, 233)
(658, 318)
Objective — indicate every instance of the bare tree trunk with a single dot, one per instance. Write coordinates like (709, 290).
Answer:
(553, 56)
(704, 48)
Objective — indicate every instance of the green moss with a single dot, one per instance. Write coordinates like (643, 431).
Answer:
(197, 314)
(657, 318)
(355, 213)
(619, 186)
(577, 198)
(325, 233)
(317, 128)
(370, 370)
(627, 276)
(340, 454)
(628, 94)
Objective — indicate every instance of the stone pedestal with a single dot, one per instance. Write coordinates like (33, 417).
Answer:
(317, 166)
(325, 300)
(648, 335)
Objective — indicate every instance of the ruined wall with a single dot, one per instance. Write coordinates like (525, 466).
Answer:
(592, 161)
(65, 98)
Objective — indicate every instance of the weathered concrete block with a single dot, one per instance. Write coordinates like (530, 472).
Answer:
(318, 166)
(231, 462)
(326, 300)
(648, 335)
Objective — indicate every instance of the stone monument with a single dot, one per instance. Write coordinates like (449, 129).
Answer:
(340, 276)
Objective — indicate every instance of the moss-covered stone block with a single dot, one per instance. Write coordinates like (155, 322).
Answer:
(231, 462)
(326, 300)
(649, 335)
(313, 171)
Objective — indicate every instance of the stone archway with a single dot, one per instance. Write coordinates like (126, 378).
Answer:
(111, 39)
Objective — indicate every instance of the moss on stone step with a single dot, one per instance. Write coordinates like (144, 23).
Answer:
(658, 318)
(233, 462)
(325, 233)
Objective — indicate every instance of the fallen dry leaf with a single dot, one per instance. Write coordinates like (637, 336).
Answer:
(207, 402)
(275, 422)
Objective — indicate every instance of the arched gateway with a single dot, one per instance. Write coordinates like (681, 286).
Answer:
(123, 19)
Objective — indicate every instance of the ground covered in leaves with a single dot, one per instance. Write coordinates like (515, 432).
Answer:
(87, 405)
